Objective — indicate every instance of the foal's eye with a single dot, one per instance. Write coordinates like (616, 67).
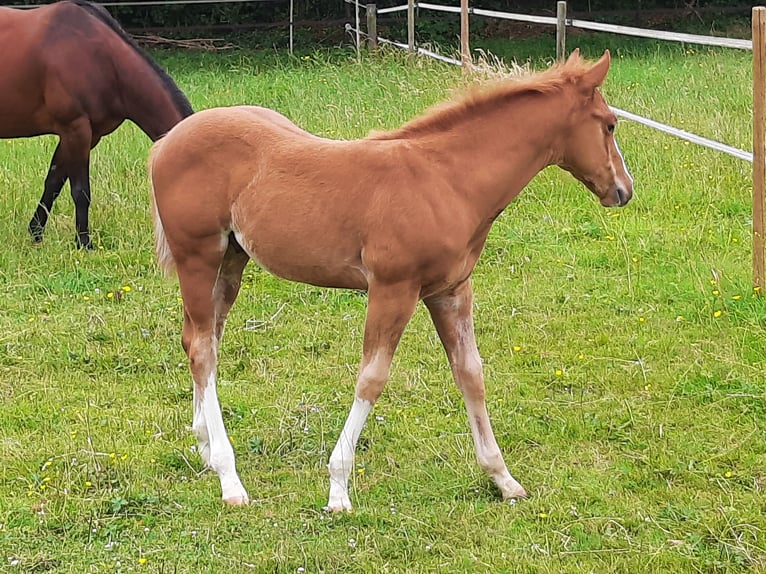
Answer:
(610, 128)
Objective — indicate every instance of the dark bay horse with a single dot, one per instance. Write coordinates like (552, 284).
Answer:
(70, 69)
(402, 214)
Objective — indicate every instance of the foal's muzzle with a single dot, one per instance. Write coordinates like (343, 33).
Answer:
(619, 196)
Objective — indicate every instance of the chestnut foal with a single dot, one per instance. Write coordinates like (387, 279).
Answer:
(402, 214)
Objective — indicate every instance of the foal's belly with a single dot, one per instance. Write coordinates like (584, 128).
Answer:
(306, 263)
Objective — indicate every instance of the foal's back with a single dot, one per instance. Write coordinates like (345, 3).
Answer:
(306, 208)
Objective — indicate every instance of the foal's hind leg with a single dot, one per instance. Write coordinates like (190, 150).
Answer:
(452, 315)
(54, 182)
(209, 284)
(389, 308)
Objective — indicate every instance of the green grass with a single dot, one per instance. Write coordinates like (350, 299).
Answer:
(631, 410)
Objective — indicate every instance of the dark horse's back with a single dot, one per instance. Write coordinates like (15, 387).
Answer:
(61, 62)
(35, 91)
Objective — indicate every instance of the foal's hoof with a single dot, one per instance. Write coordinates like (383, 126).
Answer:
(517, 493)
(338, 504)
(239, 500)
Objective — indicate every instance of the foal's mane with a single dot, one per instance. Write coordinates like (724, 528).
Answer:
(179, 98)
(481, 97)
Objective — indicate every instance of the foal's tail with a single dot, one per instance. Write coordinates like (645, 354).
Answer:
(161, 247)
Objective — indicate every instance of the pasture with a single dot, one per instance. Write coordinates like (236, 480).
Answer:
(623, 353)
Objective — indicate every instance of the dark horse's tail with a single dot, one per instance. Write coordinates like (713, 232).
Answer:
(182, 103)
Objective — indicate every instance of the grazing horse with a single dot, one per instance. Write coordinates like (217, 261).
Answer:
(402, 214)
(70, 69)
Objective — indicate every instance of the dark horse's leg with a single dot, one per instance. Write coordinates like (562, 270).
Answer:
(70, 160)
(79, 180)
(54, 182)
(76, 143)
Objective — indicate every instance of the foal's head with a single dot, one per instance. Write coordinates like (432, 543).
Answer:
(590, 152)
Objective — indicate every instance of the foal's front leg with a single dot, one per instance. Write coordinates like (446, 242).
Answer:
(389, 308)
(452, 314)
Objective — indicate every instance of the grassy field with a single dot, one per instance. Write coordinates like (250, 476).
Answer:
(624, 357)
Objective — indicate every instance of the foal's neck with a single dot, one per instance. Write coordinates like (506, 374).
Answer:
(493, 155)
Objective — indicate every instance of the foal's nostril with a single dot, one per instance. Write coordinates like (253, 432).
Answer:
(622, 196)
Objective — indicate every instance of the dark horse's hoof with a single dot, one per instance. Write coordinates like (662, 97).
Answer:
(36, 232)
(83, 242)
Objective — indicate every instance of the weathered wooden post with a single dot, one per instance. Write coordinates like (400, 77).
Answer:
(759, 102)
(465, 48)
(372, 26)
(411, 25)
(561, 30)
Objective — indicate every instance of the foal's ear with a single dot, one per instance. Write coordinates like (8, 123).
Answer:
(594, 77)
(575, 55)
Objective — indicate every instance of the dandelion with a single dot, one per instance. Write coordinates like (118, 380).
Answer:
(110, 295)
(580, 356)
(736, 297)
(642, 320)
(559, 372)
(85, 298)
(517, 348)
(716, 292)
(728, 474)
(142, 561)
(124, 457)
(647, 386)
(717, 313)
(360, 471)
(543, 515)
(112, 455)
(88, 484)
(127, 289)
(31, 319)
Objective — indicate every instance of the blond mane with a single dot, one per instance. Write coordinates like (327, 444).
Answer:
(482, 96)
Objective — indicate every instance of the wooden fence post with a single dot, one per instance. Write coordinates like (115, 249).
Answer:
(561, 30)
(465, 48)
(759, 102)
(411, 25)
(372, 26)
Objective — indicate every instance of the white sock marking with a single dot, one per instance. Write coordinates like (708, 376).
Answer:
(342, 458)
